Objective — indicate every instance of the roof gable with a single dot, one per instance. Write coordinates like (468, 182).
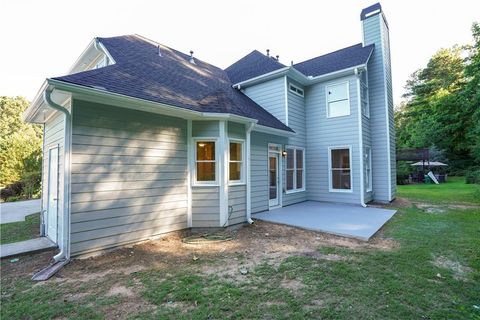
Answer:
(252, 65)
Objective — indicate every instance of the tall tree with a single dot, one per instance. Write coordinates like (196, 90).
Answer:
(439, 110)
(20, 142)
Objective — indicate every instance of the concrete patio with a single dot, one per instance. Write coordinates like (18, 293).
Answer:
(27, 246)
(339, 219)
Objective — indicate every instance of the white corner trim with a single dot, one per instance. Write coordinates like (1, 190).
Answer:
(330, 188)
(248, 199)
(387, 122)
(286, 100)
(189, 175)
(360, 143)
(223, 151)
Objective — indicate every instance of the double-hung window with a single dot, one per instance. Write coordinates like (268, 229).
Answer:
(205, 162)
(368, 168)
(295, 169)
(236, 162)
(340, 169)
(338, 103)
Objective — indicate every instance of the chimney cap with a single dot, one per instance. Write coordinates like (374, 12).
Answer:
(370, 11)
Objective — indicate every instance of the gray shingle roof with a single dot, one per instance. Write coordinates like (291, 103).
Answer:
(171, 79)
(338, 60)
(252, 65)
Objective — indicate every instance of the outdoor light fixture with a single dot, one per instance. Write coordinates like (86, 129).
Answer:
(284, 153)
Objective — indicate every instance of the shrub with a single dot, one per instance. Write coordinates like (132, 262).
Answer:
(12, 190)
(472, 175)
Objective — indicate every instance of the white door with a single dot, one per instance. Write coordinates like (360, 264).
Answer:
(52, 201)
(273, 178)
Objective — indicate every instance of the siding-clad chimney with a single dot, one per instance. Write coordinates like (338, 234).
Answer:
(376, 31)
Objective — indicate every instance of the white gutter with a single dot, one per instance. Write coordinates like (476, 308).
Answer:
(248, 176)
(263, 77)
(360, 141)
(64, 253)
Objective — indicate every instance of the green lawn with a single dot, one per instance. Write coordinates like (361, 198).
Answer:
(19, 231)
(433, 272)
(453, 191)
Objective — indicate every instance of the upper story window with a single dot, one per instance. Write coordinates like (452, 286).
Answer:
(205, 162)
(236, 163)
(295, 169)
(296, 90)
(338, 102)
(364, 94)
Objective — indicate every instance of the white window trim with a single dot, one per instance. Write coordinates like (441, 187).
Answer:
(290, 85)
(330, 187)
(370, 185)
(242, 168)
(327, 102)
(368, 95)
(295, 171)
(196, 183)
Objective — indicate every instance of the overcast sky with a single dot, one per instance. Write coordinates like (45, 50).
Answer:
(41, 39)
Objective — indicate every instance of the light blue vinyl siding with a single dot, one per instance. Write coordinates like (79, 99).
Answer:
(322, 133)
(259, 168)
(270, 95)
(237, 204)
(205, 199)
(129, 171)
(381, 105)
(296, 121)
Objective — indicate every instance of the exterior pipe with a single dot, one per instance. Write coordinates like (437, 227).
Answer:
(248, 176)
(64, 253)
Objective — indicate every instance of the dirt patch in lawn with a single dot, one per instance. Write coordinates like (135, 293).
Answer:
(112, 275)
(460, 272)
(438, 209)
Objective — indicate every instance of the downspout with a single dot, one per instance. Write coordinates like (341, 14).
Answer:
(64, 254)
(248, 176)
(360, 140)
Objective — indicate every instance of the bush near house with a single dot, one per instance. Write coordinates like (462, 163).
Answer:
(20, 151)
(473, 176)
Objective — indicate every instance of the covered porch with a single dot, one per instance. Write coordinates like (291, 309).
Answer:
(339, 219)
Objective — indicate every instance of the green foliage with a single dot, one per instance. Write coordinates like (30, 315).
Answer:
(442, 107)
(473, 176)
(20, 147)
(20, 231)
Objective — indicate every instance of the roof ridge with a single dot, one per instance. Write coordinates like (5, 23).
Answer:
(332, 52)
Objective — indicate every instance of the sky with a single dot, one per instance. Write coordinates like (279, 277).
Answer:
(41, 39)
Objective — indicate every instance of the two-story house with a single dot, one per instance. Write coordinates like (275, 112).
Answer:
(141, 139)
